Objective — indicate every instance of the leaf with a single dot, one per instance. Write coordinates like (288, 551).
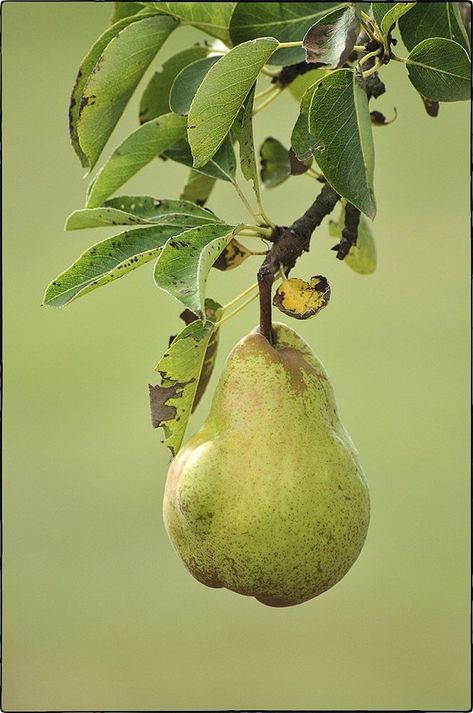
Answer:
(222, 165)
(155, 99)
(107, 261)
(232, 256)
(302, 141)
(114, 79)
(124, 9)
(85, 69)
(300, 299)
(198, 188)
(138, 149)
(184, 264)
(286, 21)
(332, 38)
(187, 83)
(141, 210)
(183, 368)
(432, 108)
(301, 84)
(210, 17)
(386, 14)
(362, 256)
(339, 120)
(433, 19)
(275, 163)
(222, 93)
(440, 70)
(243, 132)
(211, 310)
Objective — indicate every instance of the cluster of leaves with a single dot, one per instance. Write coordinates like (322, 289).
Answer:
(199, 106)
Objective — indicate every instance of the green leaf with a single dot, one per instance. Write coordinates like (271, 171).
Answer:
(221, 166)
(185, 263)
(114, 79)
(210, 17)
(138, 149)
(85, 70)
(155, 99)
(287, 21)
(362, 256)
(182, 368)
(339, 120)
(386, 14)
(302, 141)
(198, 188)
(275, 164)
(433, 19)
(303, 81)
(222, 93)
(331, 39)
(124, 9)
(141, 210)
(107, 261)
(187, 83)
(440, 70)
(243, 132)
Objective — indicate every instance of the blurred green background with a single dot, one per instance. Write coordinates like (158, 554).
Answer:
(99, 612)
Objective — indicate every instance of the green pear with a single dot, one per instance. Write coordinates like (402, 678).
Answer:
(269, 498)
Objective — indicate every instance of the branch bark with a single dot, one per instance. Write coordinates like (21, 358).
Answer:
(288, 245)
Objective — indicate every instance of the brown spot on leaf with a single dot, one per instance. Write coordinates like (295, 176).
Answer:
(158, 396)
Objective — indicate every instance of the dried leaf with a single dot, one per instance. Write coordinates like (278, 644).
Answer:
(300, 299)
(232, 256)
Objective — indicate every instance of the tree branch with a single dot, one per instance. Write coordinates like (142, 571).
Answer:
(289, 244)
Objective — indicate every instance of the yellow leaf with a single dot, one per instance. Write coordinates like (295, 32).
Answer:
(300, 299)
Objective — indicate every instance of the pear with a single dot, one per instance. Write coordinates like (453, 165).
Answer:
(269, 498)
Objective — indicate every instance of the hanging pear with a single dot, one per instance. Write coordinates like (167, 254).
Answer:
(269, 498)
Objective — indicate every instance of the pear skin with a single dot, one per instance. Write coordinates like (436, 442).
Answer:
(269, 498)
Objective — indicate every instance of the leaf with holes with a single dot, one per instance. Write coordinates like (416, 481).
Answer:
(114, 78)
(433, 19)
(183, 368)
(155, 99)
(221, 95)
(275, 163)
(138, 149)
(362, 256)
(286, 21)
(300, 299)
(339, 121)
(107, 261)
(141, 210)
(332, 38)
(184, 265)
(187, 82)
(440, 70)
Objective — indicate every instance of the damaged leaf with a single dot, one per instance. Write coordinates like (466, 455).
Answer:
(362, 256)
(141, 210)
(300, 299)
(107, 261)
(114, 78)
(184, 265)
(332, 38)
(184, 368)
(232, 255)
